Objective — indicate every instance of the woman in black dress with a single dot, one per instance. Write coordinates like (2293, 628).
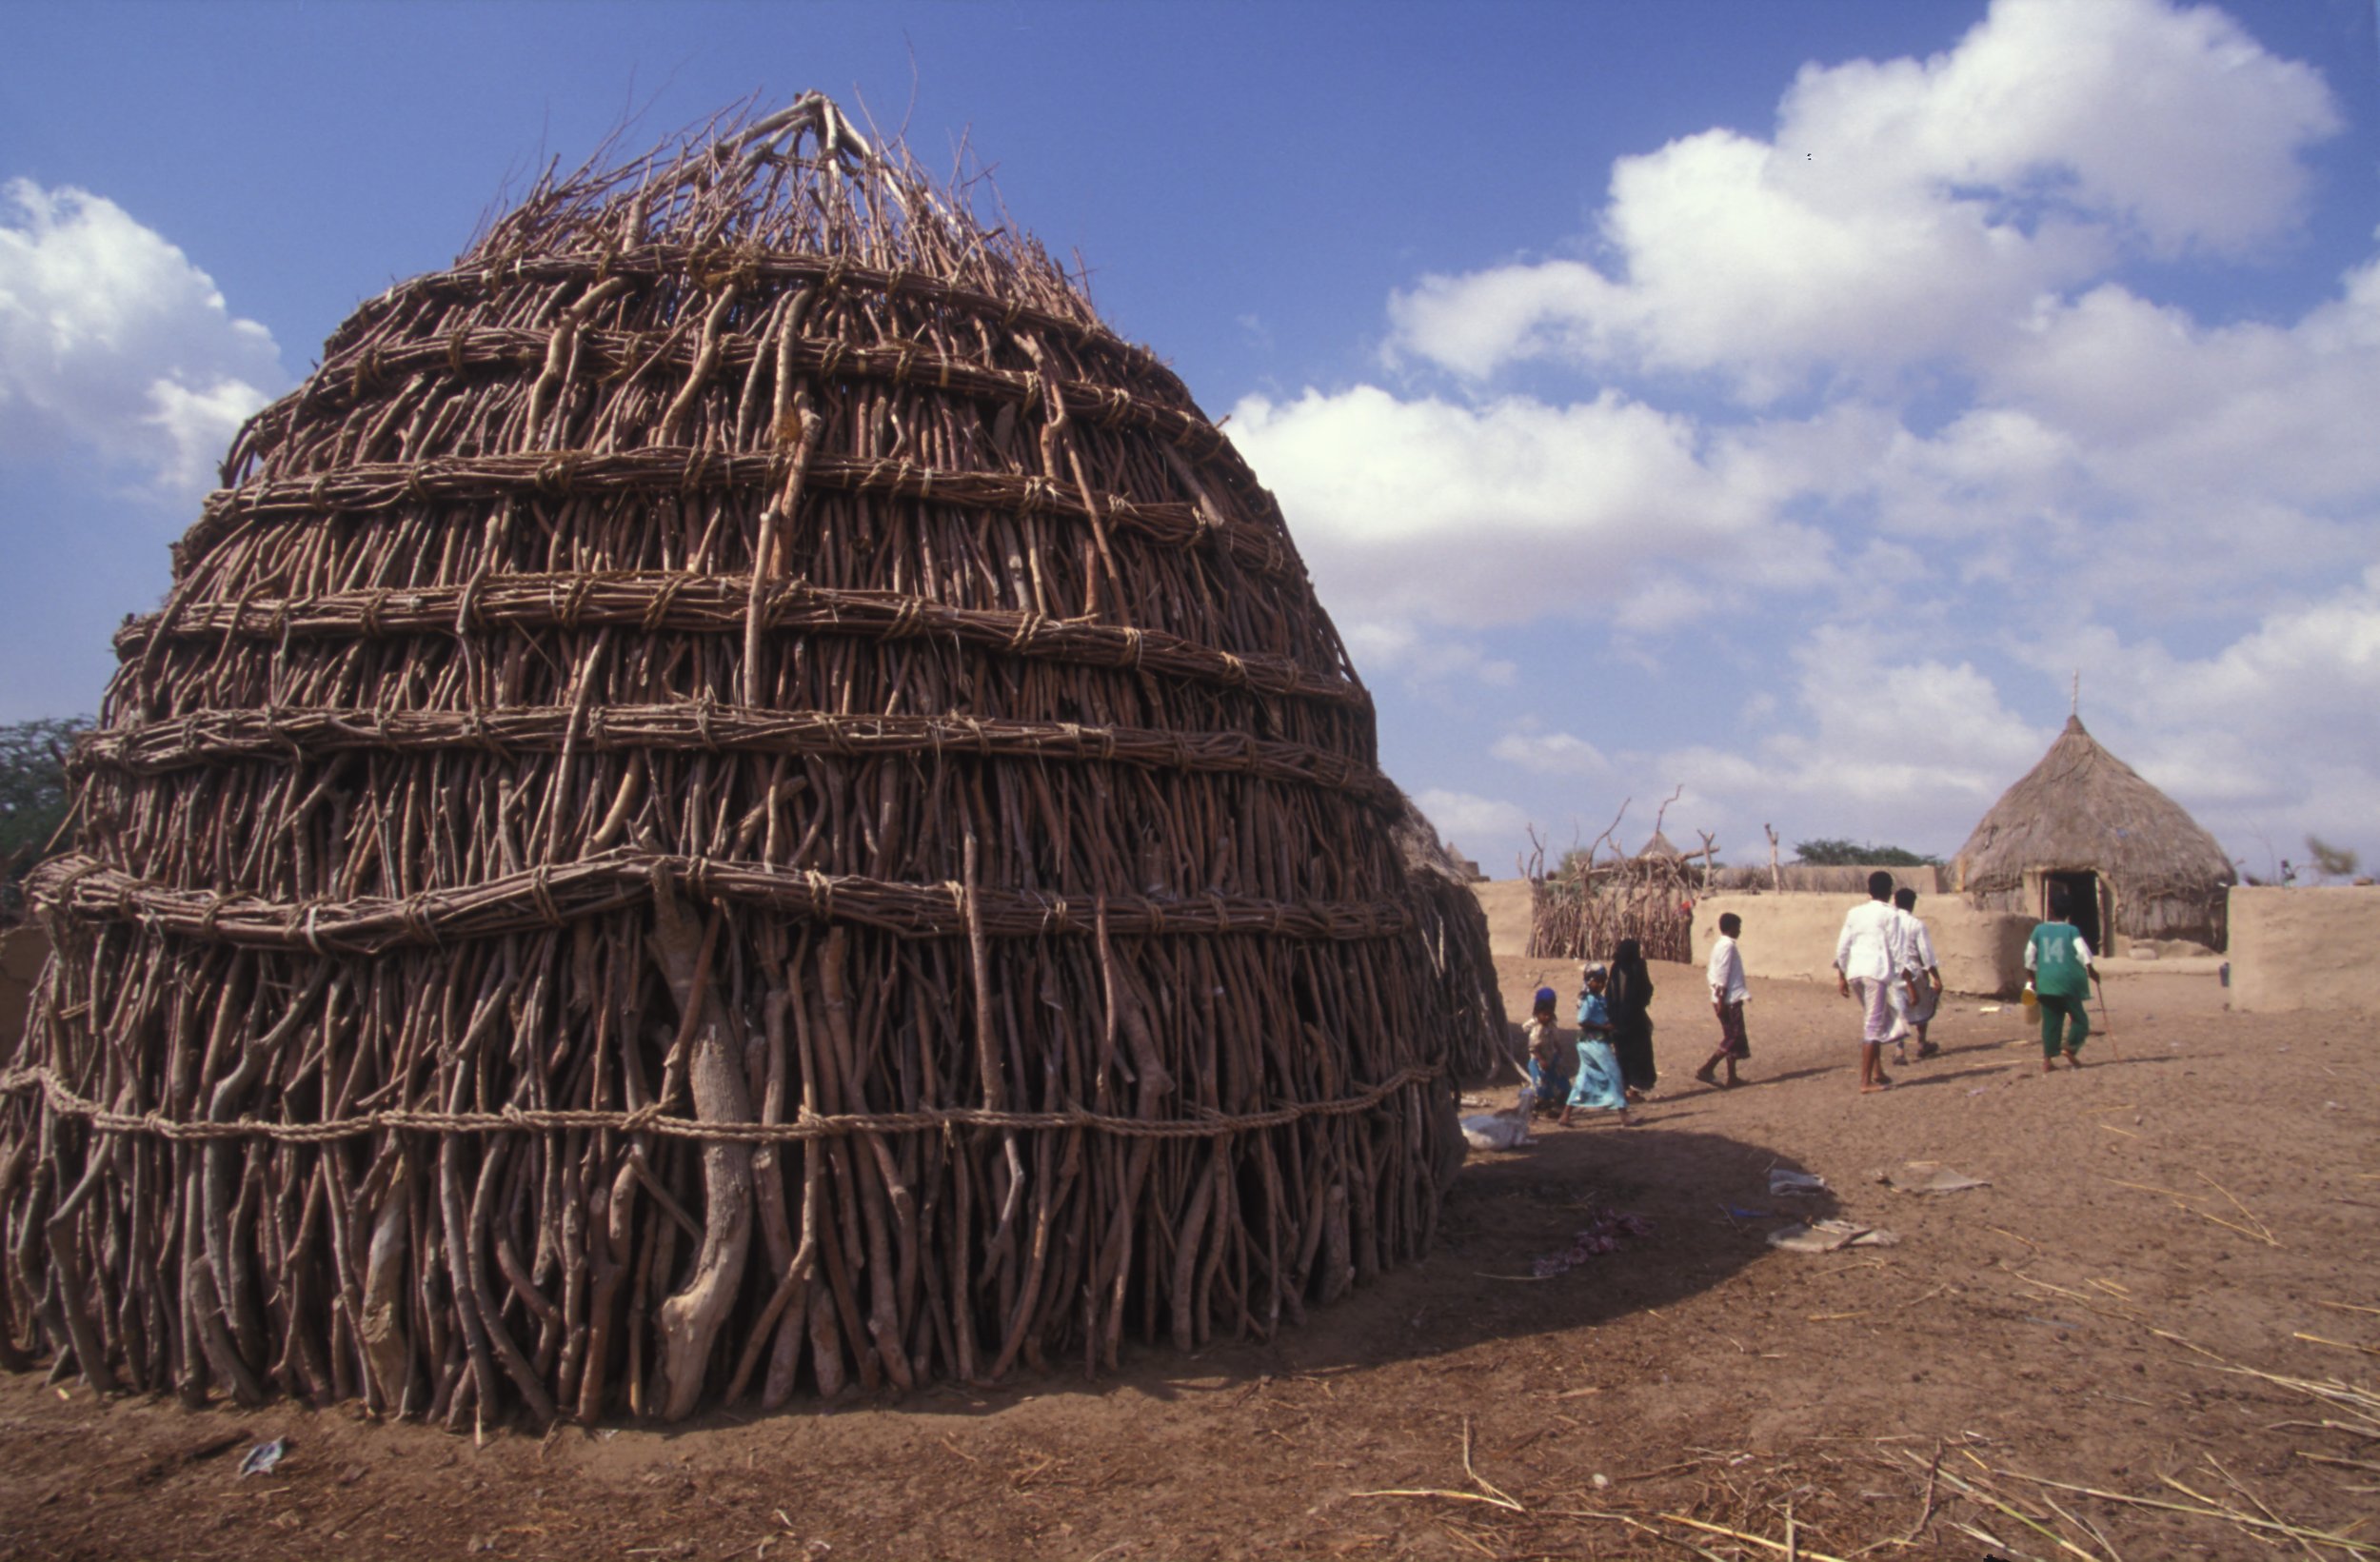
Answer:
(1631, 1000)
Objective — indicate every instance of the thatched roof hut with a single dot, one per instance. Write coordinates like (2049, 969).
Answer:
(1658, 845)
(2136, 864)
(734, 793)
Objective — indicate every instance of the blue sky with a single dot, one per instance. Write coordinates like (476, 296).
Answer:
(1780, 401)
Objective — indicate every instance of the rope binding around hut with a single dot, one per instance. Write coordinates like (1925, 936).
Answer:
(735, 795)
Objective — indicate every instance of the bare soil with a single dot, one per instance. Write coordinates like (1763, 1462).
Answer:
(2166, 1234)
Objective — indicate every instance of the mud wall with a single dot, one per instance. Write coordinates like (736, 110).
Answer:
(1793, 935)
(1509, 912)
(2306, 949)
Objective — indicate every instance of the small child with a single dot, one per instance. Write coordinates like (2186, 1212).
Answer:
(1921, 985)
(2060, 959)
(1547, 1085)
(1598, 1085)
(1728, 994)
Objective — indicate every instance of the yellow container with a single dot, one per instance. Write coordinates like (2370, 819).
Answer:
(2031, 998)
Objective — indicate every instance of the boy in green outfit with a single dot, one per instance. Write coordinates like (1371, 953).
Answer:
(2060, 959)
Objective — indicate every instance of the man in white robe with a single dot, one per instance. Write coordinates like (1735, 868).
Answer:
(1869, 954)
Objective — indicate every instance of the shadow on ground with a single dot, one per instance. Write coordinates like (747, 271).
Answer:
(1507, 1209)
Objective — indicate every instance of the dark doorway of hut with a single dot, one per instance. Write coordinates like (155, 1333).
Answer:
(2083, 891)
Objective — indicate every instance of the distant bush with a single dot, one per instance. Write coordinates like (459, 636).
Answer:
(2331, 861)
(1830, 853)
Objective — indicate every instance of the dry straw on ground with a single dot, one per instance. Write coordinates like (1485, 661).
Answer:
(735, 794)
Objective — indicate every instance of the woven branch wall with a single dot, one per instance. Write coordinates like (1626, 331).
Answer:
(734, 795)
(1583, 916)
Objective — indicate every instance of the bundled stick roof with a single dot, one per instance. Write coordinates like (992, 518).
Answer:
(2082, 808)
(735, 794)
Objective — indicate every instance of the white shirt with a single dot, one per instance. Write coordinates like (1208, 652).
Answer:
(1916, 943)
(1871, 945)
(1726, 973)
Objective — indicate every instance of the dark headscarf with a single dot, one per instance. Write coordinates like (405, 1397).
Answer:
(1630, 982)
(1630, 996)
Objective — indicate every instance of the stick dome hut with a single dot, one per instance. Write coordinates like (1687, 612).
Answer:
(734, 794)
(2138, 865)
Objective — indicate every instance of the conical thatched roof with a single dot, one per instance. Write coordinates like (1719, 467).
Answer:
(734, 793)
(2082, 808)
(1659, 846)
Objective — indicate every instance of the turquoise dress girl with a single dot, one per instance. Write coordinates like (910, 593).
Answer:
(1598, 1085)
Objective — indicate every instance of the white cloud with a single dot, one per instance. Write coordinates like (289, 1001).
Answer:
(2122, 444)
(1426, 662)
(2103, 437)
(1460, 816)
(1478, 323)
(1658, 600)
(2272, 731)
(1881, 742)
(2173, 122)
(1875, 739)
(111, 338)
(1959, 446)
(1878, 715)
(1435, 511)
(2266, 738)
(2169, 405)
(1908, 210)
(1551, 754)
(2125, 466)
(1961, 215)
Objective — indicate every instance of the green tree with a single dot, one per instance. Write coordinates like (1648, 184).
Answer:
(1831, 852)
(34, 796)
(2331, 861)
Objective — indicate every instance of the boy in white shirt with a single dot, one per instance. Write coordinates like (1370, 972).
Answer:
(1923, 994)
(1728, 994)
(1869, 954)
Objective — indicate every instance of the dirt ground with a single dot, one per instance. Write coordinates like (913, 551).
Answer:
(2176, 1253)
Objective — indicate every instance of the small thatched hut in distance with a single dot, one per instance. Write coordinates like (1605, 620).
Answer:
(2138, 865)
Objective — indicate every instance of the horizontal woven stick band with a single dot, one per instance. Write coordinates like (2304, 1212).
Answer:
(655, 469)
(718, 264)
(354, 376)
(78, 887)
(658, 601)
(652, 1120)
(211, 737)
